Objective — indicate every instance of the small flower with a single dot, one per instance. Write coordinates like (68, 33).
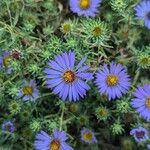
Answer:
(83, 119)
(72, 42)
(123, 106)
(119, 5)
(54, 142)
(117, 128)
(141, 102)
(54, 44)
(35, 125)
(85, 7)
(140, 134)
(95, 31)
(29, 91)
(27, 133)
(51, 124)
(13, 89)
(113, 81)
(33, 68)
(102, 113)
(25, 114)
(14, 107)
(8, 126)
(68, 27)
(65, 79)
(143, 60)
(88, 136)
(5, 62)
(143, 12)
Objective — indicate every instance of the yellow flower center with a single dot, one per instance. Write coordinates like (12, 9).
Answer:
(96, 31)
(69, 76)
(6, 61)
(112, 80)
(84, 4)
(148, 102)
(66, 28)
(87, 136)
(27, 90)
(103, 112)
(148, 15)
(144, 61)
(55, 145)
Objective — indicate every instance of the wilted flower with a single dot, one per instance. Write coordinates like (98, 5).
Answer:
(85, 7)
(29, 91)
(113, 81)
(140, 134)
(88, 136)
(141, 102)
(55, 142)
(143, 12)
(8, 126)
(65, 79)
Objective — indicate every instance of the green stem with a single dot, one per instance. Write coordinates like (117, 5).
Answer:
(136, 77)
(61, 118)
(12, 78)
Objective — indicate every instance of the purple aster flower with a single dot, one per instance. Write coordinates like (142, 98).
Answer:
(66, 79)
(55, 142)
(85, 7)
(141, 102)
(113, 81)
(140, 134)
(5, 62)
(29, 91)
(143, 12)
(8, 126)
(88, 136)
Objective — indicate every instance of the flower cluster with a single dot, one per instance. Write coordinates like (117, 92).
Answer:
(75, 74)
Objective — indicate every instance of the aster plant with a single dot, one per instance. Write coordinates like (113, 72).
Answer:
(74, 74)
